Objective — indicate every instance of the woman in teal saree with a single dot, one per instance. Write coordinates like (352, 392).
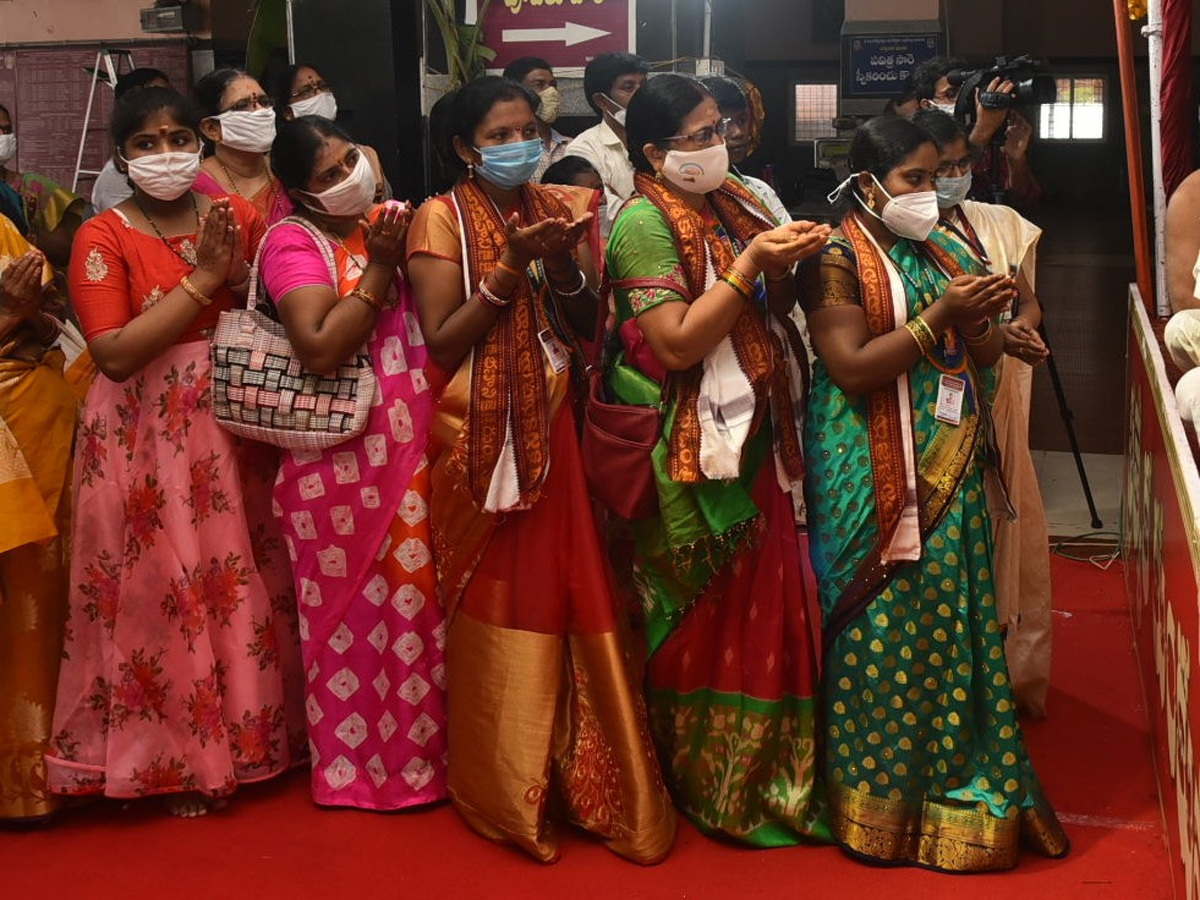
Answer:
(924, 761)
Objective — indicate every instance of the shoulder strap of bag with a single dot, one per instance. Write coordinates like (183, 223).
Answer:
(322, 246)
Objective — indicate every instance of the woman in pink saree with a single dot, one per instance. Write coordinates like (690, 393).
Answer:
(355, 516)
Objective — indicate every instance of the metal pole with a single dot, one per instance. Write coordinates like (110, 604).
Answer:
(707, 53)
(1152, 30)
(291, 33)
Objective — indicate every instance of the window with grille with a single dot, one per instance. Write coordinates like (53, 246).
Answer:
(815, 107)
(1077, 113)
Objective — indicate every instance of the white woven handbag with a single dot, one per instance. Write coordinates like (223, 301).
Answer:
(261, 391)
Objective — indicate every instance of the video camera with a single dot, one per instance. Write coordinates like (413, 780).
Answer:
(1031, 85)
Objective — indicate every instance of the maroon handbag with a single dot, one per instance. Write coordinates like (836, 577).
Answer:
(617, 441)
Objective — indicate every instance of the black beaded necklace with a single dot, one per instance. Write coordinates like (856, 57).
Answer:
(188, 251)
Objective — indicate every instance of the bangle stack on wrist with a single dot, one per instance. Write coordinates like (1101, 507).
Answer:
(922, 334)
(487, 298)
(739, 282)
(368, 298)
(981, 337)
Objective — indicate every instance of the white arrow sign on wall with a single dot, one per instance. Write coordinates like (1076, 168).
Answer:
(570, 34)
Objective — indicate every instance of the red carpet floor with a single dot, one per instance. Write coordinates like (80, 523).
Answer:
(1093, 755)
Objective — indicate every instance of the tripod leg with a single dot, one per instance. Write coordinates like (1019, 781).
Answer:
(1068, 420)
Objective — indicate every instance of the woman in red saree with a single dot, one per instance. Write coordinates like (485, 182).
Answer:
(355, 516)
(542, 696)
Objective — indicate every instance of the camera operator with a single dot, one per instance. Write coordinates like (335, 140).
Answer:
(1001, 165)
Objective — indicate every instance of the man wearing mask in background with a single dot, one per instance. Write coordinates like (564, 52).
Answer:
(535, 73)
(609, 82)
(1020, 188)
(111, 186)
(733, 106)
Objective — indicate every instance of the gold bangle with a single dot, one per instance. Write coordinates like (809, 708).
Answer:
(922, 334)
(734, 276)
(503, 267)
(977, 340)
(368, 298)
(737, 288)
(194, 292)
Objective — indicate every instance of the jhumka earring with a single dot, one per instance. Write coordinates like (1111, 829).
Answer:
(871, 195)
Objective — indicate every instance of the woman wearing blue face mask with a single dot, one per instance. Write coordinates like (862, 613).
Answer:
(924, 761)
(541, 696)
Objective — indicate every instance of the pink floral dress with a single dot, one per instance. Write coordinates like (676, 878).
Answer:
(181, 668)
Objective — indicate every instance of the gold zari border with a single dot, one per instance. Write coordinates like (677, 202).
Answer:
(949, 838)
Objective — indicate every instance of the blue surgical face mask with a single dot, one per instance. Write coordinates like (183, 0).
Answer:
(509, 165)
(952, 190)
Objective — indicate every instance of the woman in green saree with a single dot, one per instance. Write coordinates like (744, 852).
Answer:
(924, 760)
(703, 281)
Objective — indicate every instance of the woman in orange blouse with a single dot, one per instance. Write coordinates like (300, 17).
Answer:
(181, 654)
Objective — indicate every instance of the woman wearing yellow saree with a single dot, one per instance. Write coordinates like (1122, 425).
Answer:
(37, 426)
(542, 699)
(924, 760)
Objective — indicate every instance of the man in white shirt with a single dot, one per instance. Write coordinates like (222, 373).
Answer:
(111, 187)
(535, 73)
(609, 81)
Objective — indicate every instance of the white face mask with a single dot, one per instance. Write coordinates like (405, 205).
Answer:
(323, 104)
(8, 147)
(910, 216)
(952, 190)
(164, 176)
(551, 103)
(698, 171)
(619, 115)
(947, 108)
(249, 130)
(352, 196)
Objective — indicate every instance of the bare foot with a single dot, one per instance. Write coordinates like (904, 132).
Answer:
(187, 806)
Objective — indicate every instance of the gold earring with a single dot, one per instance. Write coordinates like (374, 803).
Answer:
(470, 170)
(870, 195)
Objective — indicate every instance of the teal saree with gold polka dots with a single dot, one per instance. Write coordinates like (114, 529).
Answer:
(924, 762)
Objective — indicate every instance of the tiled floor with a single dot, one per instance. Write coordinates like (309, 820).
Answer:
(1067, 512)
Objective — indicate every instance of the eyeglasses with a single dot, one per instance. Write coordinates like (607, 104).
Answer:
(311, 90)
(704, 136)
(255, 101)
(958, 167)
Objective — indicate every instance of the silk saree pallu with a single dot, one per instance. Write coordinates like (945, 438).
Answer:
(924, 760)
(546, 720)
(732, 668)
(355, 519)
(37, 425)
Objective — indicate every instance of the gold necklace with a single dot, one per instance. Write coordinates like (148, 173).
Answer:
(187, 251)
(237, 190)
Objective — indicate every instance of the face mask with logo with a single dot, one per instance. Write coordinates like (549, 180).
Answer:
(323, 104)
(351, 196)
(249, 130)
(551, 103)
(953, 190)
(697, 171)
(619, 115)
(164, 176)
(8, 147)
(509, 165)
(910, 216)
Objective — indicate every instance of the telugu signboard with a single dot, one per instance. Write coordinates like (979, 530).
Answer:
(566, 33)
(878, 66)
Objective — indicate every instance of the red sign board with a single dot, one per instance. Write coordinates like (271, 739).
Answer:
(566, 33)
(1161, 524)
